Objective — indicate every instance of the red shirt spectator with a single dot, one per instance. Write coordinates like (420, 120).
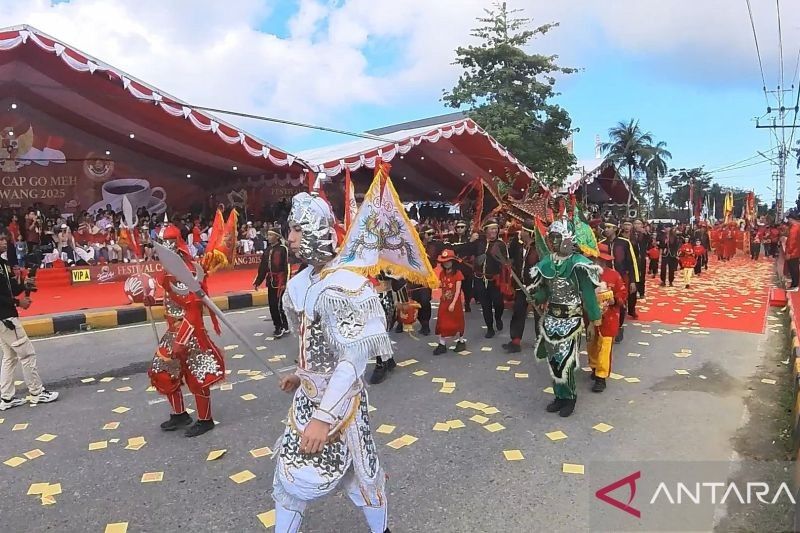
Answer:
(793, 240)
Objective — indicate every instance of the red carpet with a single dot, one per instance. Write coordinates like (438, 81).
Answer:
(731, 295)
(59, 299)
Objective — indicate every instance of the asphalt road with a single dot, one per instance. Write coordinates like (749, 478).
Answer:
(451, 481)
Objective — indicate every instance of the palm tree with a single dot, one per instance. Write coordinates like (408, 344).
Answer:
(656, 168)
(628, 146)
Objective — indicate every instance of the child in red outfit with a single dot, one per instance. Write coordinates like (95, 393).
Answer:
(451, 307)
(654, 254)
(699, 254)
(612, 295)
(687, 259)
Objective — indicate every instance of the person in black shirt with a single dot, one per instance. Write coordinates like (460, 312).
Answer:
(486, 249)
(17, 347)
(524, 256)
(423, 295)
(641, 241)
(669, 256)
(274, 268)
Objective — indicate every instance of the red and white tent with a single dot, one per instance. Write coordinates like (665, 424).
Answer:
(598, 182)
(74, 88)
(430, 161)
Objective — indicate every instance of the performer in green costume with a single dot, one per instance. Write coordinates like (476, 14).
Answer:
(565, 282)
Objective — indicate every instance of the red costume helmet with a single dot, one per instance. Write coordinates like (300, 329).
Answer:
(170, 236)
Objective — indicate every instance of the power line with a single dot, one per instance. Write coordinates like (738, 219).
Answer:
(758, 50)
(780, 39)
(728, 165)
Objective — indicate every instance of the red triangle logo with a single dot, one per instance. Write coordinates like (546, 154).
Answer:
(603, 494)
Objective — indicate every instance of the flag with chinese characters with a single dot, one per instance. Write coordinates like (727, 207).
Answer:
(382, 239)
(221, 249)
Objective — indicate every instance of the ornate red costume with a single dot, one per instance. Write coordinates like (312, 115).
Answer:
(185, 353)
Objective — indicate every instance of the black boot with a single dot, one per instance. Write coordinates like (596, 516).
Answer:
(489, 333)
(555, 405)
(399, 328)
(512, 347)
(567, 408)
(425, 329)
(620, 336)
(599, 385)
(499, 325)
(177, 422)
(199, 427)
(381, 370)
(461, 346)
(594, 376)
(440, 349)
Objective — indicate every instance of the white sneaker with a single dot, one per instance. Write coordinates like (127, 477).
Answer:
(45, 396)
(13, 402)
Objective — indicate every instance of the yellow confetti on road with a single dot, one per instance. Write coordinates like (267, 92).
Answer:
(46, 437)
(121, 409)
(569, 468)
(213, 455)
(385, 429)
(602, 427)
(261, 452)
(152, 477)
(117, 527)
(513, 455)
(267, 519)
(99, 445)
(479, 419)
(492, 428)
(556, 435)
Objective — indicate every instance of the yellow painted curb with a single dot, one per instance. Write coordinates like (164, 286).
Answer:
(102, 319)
(259, 298)
(156, 312)
(38, 327)
(221, 301)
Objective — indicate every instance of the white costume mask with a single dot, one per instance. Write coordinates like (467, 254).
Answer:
(315, 220)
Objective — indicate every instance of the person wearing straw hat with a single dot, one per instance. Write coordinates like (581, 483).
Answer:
(523, 257)
(612, 294)
(274, 269)
(451, 309)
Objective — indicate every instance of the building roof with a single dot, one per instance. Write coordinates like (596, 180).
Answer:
(433, 157)
(600, 181)
(78, 89)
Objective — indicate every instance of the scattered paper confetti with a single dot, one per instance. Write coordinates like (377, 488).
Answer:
(248, 397)
(99, 445)
(405, 440)
(231, 346)
(465, 352)
(106, 379)
(641, 343)
(513, 362)
(490, 410)
(124, 389)
(238, 356)
(117, 527)
(439, 380)
(612, 375)
(480, 419)
(464, 404)
(433, 344)
(447, 390)
(513, 455)
(486, 348)
(52, 489)
(242, 477)
(120, 410)
(36, 489)
(602, 427)
(441, 426)
(213, 455)
(502, 368)
(768, 381)
(548, 390)
(87, 380)
(267, 519)
(496, 426)
(632, 380)
(33, 454)
(151, 477)
(261, 452)
(556, 435)
(407, 362)
(15, 461)
(569, 468)
(19, 427)
(456, 424)
(226, 386)
(682, 372)
(261, 348)
(46, 437)
(521, 375)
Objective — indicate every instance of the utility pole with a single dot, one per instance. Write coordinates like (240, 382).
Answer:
(778, 126)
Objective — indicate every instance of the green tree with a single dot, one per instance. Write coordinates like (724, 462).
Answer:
(656, 168)
(509, 91)
(628, 146)
(680, 183)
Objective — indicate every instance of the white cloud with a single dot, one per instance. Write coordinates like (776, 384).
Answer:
(212, 53)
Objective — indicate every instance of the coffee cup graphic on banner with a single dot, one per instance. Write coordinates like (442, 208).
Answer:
(139, 193)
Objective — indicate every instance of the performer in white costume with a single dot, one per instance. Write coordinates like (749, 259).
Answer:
(341, 324)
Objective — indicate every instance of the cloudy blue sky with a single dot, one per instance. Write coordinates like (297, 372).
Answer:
(686, 69)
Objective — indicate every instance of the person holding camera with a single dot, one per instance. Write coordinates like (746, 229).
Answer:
(17, 347)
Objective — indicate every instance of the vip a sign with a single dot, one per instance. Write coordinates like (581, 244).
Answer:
(684, 496)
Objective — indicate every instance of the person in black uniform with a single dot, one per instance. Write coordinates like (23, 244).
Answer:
(669, 255)
(524, 256)
(625, 263)
(274, 269)
(641, 241)
(423, 295)
(633, 271)
(486, 249)
(457, 243)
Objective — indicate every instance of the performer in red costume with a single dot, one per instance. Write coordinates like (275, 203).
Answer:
(612, 296)
(185, 353)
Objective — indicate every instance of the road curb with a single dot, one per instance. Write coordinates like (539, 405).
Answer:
(43, 326)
